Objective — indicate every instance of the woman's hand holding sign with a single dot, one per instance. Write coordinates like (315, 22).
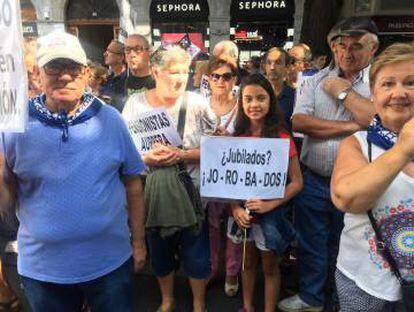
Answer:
(161, 156)
(241, 216)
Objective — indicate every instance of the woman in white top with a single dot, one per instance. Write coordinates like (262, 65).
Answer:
(170, 68)
(222, 76)
(384, 185)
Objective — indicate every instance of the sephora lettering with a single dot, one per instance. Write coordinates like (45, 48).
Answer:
(183, 7)
(251, 5)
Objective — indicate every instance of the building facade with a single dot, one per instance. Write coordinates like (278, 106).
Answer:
(204, 21)
(394, 18)
(254, 24)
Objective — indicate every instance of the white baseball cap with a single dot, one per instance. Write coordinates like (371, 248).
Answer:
(59, 44)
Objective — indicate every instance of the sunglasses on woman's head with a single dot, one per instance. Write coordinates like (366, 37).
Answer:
(225, 76)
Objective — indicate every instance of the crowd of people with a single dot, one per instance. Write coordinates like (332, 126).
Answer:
(89, 206)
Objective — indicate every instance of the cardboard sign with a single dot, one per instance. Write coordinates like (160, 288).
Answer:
(243, 168)
(152, 127)
(13, 75)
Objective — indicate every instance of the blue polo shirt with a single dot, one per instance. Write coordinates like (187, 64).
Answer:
(72, 202)
(286, 102)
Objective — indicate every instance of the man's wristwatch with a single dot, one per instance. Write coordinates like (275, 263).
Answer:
(344, 93)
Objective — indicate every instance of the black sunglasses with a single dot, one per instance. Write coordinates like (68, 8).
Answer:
(136, 49)
(225, 76)
(55, 68)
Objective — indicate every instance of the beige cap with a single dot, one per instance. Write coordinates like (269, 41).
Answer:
(59, 44)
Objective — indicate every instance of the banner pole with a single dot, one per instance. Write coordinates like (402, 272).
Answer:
(244, 247)
(244, 242)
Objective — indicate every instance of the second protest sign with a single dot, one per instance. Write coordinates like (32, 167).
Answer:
(243, 168)
(13, 78)
(151, 127)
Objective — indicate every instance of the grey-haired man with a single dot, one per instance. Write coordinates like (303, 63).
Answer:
(329, 106)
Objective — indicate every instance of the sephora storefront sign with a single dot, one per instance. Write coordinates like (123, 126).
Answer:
(261, 10)
(260, 24)
(162, 11)
(175, 21)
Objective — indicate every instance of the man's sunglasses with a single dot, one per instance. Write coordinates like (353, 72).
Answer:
(136, 49)
(225, 76)
(57, 67)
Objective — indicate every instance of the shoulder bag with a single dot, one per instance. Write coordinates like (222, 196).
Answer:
(407, 287)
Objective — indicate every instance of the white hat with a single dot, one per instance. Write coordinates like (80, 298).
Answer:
(59, 44)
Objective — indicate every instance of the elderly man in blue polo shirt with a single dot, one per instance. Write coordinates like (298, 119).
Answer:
(73, 173)
(329, 106)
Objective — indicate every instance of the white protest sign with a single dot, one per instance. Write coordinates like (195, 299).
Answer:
(243, 168)
(151, 127)
(13, 77)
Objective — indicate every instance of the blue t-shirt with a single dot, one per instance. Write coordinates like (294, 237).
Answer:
(286, 102)
(72, 201)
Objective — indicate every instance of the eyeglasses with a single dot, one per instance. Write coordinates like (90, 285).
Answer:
(225, 76)
(111, 51)
(136, 49)
(56, 68)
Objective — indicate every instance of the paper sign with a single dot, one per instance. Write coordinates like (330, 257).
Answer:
(152, 127)
(13, 75)
(243, 168)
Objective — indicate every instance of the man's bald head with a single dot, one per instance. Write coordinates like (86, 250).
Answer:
(226, 49)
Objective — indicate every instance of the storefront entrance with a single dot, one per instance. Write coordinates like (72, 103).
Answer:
(96, 23)
(258, 25)
(174, 21)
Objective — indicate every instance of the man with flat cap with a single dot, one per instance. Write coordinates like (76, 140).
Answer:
(72, 179)
(329, 106)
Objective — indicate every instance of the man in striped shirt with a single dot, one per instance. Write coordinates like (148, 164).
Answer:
(329, 106)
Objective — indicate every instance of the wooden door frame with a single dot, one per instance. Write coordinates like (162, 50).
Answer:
(73, 25)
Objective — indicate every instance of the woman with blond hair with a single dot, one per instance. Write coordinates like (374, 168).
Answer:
(373, 183)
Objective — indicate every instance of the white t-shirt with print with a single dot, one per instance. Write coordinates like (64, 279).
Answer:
(358, 257)
(199, 120)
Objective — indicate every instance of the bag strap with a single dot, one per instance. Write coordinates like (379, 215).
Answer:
(180, 127)
(380, 241)
(233, 113)
(182, 116)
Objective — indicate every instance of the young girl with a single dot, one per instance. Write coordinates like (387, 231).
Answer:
(269, 231)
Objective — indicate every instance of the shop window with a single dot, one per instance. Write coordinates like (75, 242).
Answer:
(87, 18)
(180, 21)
